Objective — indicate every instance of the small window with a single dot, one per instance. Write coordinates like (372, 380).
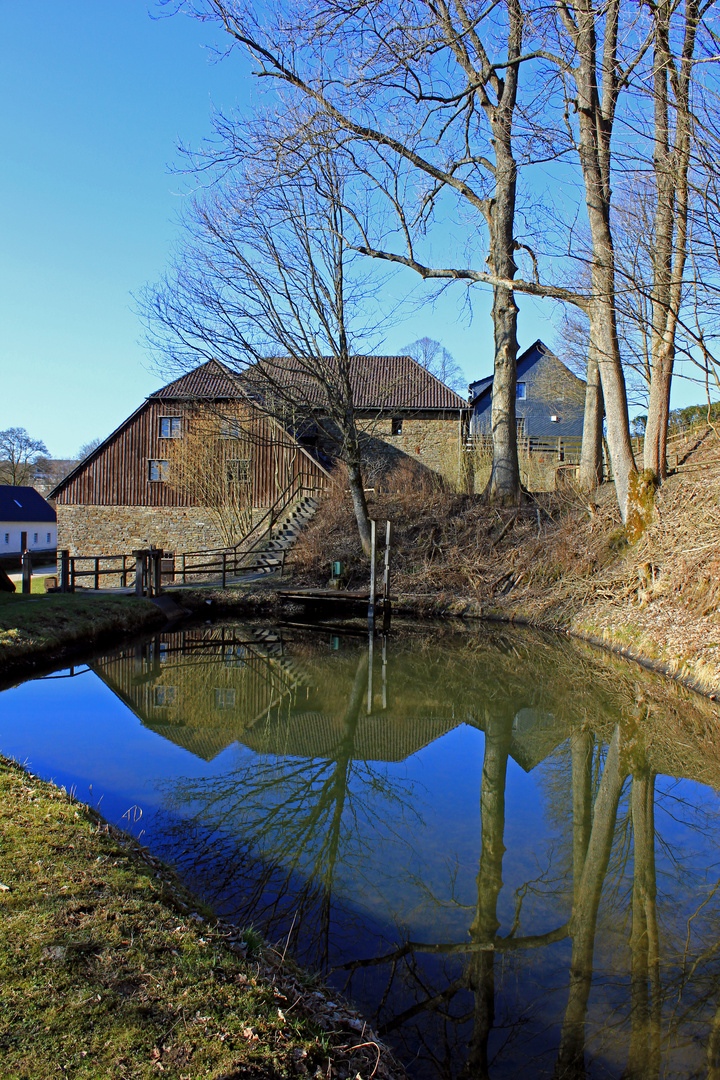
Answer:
(164, 695)
(224, 699)
(7, 538)
(396, 428)
(231, 429)
(35, 538)
(47, 541)
(170, 427)
(520, 391)
(158, 469)
(239, 470)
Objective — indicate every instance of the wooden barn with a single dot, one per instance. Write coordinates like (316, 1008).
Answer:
(197, 464)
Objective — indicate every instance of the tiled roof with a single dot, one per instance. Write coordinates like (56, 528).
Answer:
(210, 380)
(24, 504)
(378, 382)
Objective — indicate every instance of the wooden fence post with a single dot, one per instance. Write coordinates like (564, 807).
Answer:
(26, 563)
(224, 569)
(157, 570)
(64, 570)
(97, 573)
(139, 572)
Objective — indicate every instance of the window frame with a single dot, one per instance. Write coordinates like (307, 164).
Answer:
(236, 474)
(521, 396)
(173, 422)
(164, 472)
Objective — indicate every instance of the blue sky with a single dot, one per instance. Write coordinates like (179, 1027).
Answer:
(96, 97)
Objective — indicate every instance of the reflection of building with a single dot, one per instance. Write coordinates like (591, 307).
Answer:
(206, 689)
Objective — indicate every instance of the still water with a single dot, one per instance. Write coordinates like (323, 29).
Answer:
(503, 847)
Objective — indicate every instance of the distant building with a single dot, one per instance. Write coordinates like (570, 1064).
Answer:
(27, 521)
(549, 402)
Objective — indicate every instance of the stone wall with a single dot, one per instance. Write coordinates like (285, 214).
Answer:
(434, 443)
(112, 530)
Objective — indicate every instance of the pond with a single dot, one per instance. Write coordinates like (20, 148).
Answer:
(502, 846)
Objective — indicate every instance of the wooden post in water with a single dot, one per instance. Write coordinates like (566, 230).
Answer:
(384, 672)
(371, 602)
(386, 579)
(370, 671)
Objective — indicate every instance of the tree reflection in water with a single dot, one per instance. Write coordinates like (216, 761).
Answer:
(610, 964)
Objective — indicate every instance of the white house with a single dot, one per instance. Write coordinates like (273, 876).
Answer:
(27, 521)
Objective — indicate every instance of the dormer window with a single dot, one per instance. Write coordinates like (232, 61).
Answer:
(170, 427)
(520, 391)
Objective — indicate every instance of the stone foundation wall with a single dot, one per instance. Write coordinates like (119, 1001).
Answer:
(111, 530)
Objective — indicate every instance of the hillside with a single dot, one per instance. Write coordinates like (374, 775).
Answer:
(560, 561)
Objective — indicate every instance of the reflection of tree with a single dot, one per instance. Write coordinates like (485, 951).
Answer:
(645, 1000)
(485, 925)
(286, 828)
(571, 1055)
(287, 841)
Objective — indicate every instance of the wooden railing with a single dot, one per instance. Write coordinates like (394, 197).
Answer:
(146, 569)
(563, 448)
(243, 556)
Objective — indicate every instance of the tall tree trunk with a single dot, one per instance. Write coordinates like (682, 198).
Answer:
(591, 454)
(596, 111)
(504, 483)
(357, 494)
(671, 167)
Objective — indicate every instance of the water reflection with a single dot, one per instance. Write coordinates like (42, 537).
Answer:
(500, 846)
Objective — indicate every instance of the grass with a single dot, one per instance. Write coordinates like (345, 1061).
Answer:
(33, 625)
(107, 968)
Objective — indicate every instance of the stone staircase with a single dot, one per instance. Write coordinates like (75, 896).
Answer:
(268, 554)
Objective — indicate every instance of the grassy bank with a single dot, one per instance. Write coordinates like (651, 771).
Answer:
(561, 560)
(108, 968)
(43, 628)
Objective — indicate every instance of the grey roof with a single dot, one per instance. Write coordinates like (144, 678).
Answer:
(24, 504)
(537, 349)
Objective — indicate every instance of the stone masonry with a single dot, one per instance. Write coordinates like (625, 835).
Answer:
(434, 443)
(113, 530)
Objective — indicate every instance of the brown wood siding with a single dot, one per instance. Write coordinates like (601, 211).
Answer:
(119, 474)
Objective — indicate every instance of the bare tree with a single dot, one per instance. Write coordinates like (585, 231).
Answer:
(88, 448)
(19, 456)
(212, 467)
(423, 98)
(268, 285)
(436, 359)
